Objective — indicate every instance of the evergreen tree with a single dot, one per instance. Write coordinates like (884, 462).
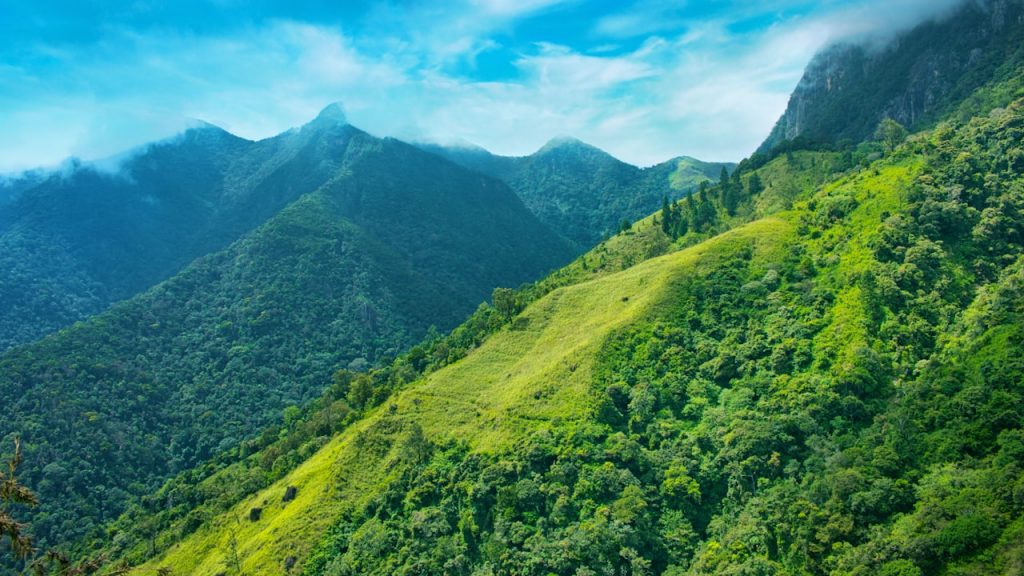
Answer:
(732, 193)
(682, 224)
(666, 216)
(754, 185)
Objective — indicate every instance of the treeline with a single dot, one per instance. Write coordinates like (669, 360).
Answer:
(698, 213)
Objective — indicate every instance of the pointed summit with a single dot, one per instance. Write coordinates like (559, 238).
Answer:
(333, 113)
(564, 142)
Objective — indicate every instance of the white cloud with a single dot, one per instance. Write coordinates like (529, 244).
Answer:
(512, 8)
(644, 17)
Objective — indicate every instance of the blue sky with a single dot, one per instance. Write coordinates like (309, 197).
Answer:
(646, 80)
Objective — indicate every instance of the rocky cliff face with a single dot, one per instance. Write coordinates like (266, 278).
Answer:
(849, 87)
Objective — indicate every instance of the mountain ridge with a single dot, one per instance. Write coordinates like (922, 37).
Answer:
(924, 74)
(582, 191)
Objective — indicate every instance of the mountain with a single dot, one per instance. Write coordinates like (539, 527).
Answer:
(809, 368)
(582, 191)
(923, 75)
(89, 235)
(75, 240)
(381, 243)
(13, 185)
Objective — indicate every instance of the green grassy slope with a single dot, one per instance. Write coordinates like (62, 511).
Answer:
(210, 489)
(810, 369)
(829, 390)
(536, 371)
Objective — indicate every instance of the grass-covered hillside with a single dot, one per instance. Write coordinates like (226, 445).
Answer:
(832, 387)
(536, 370)
(583, 192)
(349, 275)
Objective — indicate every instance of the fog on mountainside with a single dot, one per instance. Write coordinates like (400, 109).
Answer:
(849, 87)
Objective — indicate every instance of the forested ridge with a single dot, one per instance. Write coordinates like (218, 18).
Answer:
(348, 275)
(943, 67)
(831, 389)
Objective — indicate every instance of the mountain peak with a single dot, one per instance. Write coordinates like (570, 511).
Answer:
(334, 113)
(563, 142)
(198, 125)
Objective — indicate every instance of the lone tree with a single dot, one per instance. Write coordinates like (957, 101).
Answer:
(890, 133)
(505, 302)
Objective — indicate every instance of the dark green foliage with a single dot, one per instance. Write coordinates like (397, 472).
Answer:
(842, 399)
(80, 239)
(348, 275)
(754, 185)
(674, 223)
(204, 491)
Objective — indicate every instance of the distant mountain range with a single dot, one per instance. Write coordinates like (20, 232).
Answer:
(582, 191)
(75, 240)
(312, 251)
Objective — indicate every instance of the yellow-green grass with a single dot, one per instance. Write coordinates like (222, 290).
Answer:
(520, 379)
(846, 249)
(789, 178)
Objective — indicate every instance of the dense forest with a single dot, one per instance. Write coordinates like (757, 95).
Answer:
(807, 366)
(829, 389)
(76, 240)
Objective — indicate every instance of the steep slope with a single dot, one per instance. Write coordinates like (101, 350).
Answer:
(830, 390)
(395, 242)
(514, 385)
(810, 368)
(915, 79)
(581, 191)
(80, 239)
